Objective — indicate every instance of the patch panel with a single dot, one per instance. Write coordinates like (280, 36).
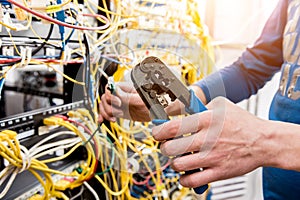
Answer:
(73, 56)
(26, 185)
(32, 120)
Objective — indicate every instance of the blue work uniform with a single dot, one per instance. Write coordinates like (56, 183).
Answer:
(277, 49)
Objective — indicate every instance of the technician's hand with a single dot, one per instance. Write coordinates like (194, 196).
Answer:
(227, 141)
(125, 103)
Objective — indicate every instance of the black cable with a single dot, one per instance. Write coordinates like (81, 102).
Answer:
(78, 194)
(45, 41)
(86, 75)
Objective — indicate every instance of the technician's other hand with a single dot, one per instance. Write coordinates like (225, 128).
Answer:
(227, 141)
(125, 103)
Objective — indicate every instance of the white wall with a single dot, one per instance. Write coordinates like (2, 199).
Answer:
(238, 21)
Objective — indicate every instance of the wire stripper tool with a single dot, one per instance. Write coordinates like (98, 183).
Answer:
(157, 86)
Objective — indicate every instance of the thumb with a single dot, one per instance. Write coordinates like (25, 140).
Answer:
(112, 99)
(126, 87)
(175, 108)
(217, 103)
(125, 94)
(100, 119)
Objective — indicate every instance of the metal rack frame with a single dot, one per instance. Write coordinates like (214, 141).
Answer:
(25, 122)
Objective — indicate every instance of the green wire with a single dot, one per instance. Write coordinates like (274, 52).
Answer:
(112, 152)
(90, 138)
(112, 156)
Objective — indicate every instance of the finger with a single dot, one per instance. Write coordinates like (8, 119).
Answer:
(127, 97)
(108, 105)
(100, 118)
(200, 178)
(132, 102)
(111, 111)
(181, 145)
(175, 108)
(179, 127)
(125, 87)
(190, 162)
(104, 114)
(109, 98)
(117, 112)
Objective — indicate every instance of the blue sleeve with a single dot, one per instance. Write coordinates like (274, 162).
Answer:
(255, 67)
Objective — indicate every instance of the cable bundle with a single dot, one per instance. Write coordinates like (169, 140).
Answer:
(20, 159)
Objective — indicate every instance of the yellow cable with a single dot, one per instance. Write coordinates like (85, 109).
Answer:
(113, 192)
(106, 10)
(63, 156)
(8, 26)
(65, 76)
(46, 187)
(14, 44)
(91, 160)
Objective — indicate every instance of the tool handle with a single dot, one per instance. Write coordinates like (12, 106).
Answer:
(197, 190)
(196, 104)
(201, 189)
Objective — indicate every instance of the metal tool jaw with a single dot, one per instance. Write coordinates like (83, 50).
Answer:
(158, 86)
(154, 82)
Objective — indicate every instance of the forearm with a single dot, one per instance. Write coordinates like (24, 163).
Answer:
(199, 93)
(283, 140)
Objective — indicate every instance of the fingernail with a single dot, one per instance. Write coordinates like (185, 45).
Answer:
(119, 114)
(119, 102)
(154, 133)
(100, 119)
(113, 119)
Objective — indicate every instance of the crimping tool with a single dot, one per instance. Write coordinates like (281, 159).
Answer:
(154, 81)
